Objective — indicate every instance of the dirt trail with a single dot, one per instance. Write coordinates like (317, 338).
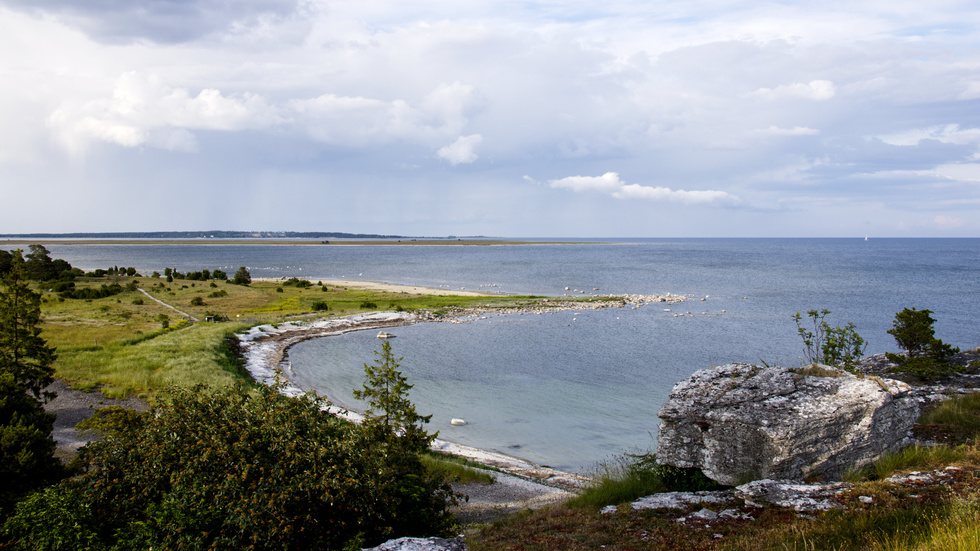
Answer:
(185, 314)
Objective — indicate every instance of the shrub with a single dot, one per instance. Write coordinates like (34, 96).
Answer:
(137, 301)
(368, 305)
(197, 301)
(927, 357)
(319, 306)
(234, 469)
(242, 277)
(836, 346)
(294, 282)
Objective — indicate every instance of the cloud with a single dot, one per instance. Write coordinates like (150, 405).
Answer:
(360, 121)
(167, 22)
(816, 90)
(461, 150)
(609, 183)
(795, 131)
(143, 111)
(944, 222)
(949, 134)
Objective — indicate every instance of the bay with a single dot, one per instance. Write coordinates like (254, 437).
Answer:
(567, 389)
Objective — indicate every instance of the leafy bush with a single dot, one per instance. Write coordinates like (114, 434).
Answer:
(319, 306)
(294, 282)
(89, 293)
(197, 301)
(234, 469)
(836, 346)
(368, 305)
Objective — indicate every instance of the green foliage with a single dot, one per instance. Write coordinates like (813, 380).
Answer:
(23, 352)
(913, 330)
(368, 305)
(295, 282)
(89, 293)
(234, 469)
(632, 476)
(197, 301)
(242, 277)
(927, 357)
(836, 346)
(391, 416)
(26, 448)
(319, 306)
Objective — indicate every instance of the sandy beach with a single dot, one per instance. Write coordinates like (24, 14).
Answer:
(391, 288)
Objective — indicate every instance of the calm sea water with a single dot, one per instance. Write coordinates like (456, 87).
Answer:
(572, 388)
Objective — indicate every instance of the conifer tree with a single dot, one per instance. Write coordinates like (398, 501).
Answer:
(27, 459)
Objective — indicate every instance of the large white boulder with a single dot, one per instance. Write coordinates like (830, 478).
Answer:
(742, 422)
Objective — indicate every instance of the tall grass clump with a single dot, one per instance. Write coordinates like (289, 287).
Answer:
(915, 458)
(632, 476)
(959, 416)
(956, 529)
(456, 469)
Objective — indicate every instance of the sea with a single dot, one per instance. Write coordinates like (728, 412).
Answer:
(577, 388)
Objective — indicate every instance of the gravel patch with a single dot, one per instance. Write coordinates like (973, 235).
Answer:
(73, 406)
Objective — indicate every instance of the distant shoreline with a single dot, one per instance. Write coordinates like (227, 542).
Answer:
(284, 242)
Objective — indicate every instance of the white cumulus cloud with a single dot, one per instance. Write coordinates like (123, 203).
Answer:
(461, 150)
(610, 183)
(144, 111)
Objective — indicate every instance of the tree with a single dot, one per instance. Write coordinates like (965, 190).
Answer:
(395, 431)
(390, 414)
(242, 277)
(233, 468)
(27, 457)
(913, 331)
(23, 352)
(926, 356)
(5, 261)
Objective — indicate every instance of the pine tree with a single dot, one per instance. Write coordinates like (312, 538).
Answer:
(391, 416)
(27, 459)
(23, 352)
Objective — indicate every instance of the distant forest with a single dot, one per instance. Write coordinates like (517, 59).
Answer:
(204, 235)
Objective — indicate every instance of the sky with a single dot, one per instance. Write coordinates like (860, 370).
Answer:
(693, 118)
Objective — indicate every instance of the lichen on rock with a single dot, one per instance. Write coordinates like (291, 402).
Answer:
(742, 422)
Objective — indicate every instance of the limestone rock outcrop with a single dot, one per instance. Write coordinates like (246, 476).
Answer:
(741, 422)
